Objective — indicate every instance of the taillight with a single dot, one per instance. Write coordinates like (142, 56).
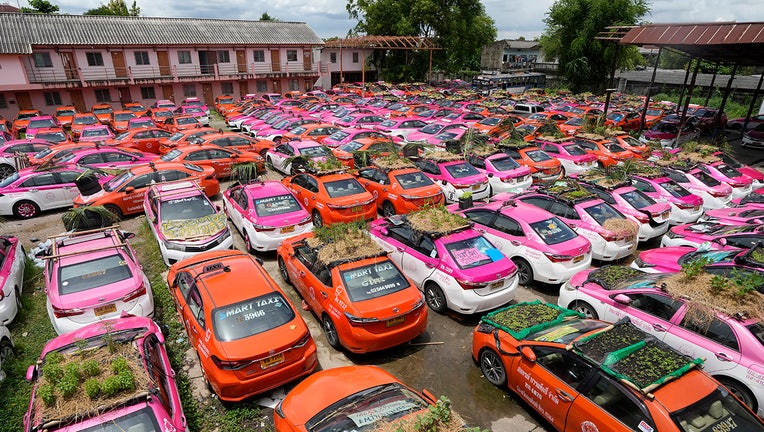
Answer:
(62, 313)
(141, 291)
(461, 186)
(642, 218)
(358, 321)
(717, 194)
(470, 285)
(558, 258)
(608, 236)
(682, 205)
(229, 365)
(303, 340)
(263, 227)
(305, 220)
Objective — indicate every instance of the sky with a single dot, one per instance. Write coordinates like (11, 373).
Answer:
(328, 18)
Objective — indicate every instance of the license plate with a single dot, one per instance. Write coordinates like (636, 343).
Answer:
(665, 214)
(578, 259)
(356, 209)
(475, 187)
(103, 310)
(497, 284)
(395, 321)
(696, 208)
(287, 229)
(271, 361)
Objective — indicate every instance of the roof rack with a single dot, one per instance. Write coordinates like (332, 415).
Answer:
(173, 188)
(83, 236)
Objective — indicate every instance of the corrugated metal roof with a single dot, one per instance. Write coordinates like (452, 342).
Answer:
(730, 42)
(19, 32)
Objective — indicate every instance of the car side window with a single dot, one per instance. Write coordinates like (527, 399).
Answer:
(144, 134)
(218, 154)
(483, 217)
(550, 149)
(603, 195)
(563, 364)
(91, 159)
(157, 370)
(430, 167)
(367, 174)
(476, 161)
(197, 155)
(158, 133)
(299, 180)
(172, 175)
(141, 181)
(743, 242)
(240, 198)
(67, 176)
(426, 246)
(717, 330)
(677, 177)
(196, 305)
(402, 234)
(642, 185)
(117, 157)
(184, 282)
(616, 401)
(508, 225)
(540, 202)
(657, 305)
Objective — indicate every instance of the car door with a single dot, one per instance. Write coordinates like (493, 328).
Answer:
(69, 188)
(416, 254)
(131, 202)
(648, 310)
(375, 181)
(45, 191)
(236, 206)
(279, 156)
(603, 405)
(715, 342)
(310, 278)
(222, 161)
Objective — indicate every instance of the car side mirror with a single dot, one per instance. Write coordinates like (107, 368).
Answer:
(622, 299)
(31, 373)
(383, 231)
(722, 241)
(128, 235)
(259, 260)
(528, 353)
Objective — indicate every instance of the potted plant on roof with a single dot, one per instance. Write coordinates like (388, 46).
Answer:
(465, 201)
(244, 173)
(88, 217)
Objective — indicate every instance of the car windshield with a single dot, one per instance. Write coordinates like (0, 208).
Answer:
(251, 317)
(602, 212)
(192, 207)
(373, 281)
(52, 136)
(344, 187)
(102, 111)
(297, 130)
(367, 410)
(413, 180)
(538, 155)
(574, 150)
(95, 132)
(186, 120)
(472, 252)
(313, 152)
(276, 205)
(93, 273)
(66, 112)
(553, 231)
(142, 420)
(614, 148)
(9, 180)
(637, 199)
(88, 120)
(124, 116)
(710, 256)
(461, 170)
(706, 179)
(122, 136)
(118, 181)
(720, 409)
(350, 147)
(39, 124)
(504, 163)
(431, 129)
(339, 135)
(674, 189)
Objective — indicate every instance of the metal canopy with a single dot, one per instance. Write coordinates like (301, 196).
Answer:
(385, 42)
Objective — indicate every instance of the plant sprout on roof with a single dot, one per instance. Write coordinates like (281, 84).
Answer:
(436, 220)
(343, 242)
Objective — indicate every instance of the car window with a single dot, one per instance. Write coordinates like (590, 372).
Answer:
(155, 367)
(171, 175)
(642, 185)
(472, 252)
(413, 180)
(141, 181)
(504, 163)
(275, 205)
(93, 273)
(553, 231)
(621, 405)
(743, 241)
(192, 207)
(717, 330)
(403, 234)
(602, 212)
(373, 281)
(40, 180)
(197, 155)
(117, 157)
(196, 305)
(565, 365)
(656, 305)
(540, 202)
(676, 176)
(68, 176)
(637, 199)
(344, 187)
(251, 317)
(483, 217)
(508, 225)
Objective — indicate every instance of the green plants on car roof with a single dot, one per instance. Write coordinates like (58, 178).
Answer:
(244, 173)
(88, 217)
(610, 275)
(521, 319)
(436, 220)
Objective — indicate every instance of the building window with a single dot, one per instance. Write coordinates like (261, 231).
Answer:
(224, 57)
(189, 90)
(226, 88)
(333, 57)
(259, 56)
(294, 85)
(103, 95)
(291, 55)
(355, 57)
(94, 58)
(148, 93)
(142, 57)
(42, 59)
(184, 57)
(262, 86)
(52, 98)
(3, 103)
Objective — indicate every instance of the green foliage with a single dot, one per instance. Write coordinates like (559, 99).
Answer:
(47, 394)
(70, 382)
(437, 414)
(91, 368)
(238, 418)
(41, 7)
(111, 385)
(119, 365)
(733, 107)
(244, 173)
(115, 8)
(571, 28)
(338, 231)
(266, 17)
(77, 218)
(126, 380)
(92, 388)
(694, 268)
(53, 372)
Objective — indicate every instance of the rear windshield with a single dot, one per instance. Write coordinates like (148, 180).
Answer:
(187, 121)
(124, 116)
(460, 170)
(373, 280)
(95, 132)
(341, 188)
(706, 179)
(723, 168)
(675, 190)
(90, 274)
(718, 409)
(39, 124)
(250, 317)
(614, 148)
(143, 420)
(574, 150)
(602, 212)
(413, 180)
(85, 120)
(538, 155)
(473, 252)
(553, 231)
(637, 199)
(504, 164)
(313, 152)
(276, 205)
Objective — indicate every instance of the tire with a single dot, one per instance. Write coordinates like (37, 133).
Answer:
(388, 209)
(524, 271)
(318, 222)
(600, 165)
(563, 173)
(248, 243)
(435, 298)
(6, 350)
(269, 163)
(332, 337)
(114, 209)
(283, 271)
(739, 390)
(493, 368)
(263, 152)
(584, 308)
(6, 170)
(26, 209)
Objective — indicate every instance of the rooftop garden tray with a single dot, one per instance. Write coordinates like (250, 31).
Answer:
(436, 220)
(522, 319)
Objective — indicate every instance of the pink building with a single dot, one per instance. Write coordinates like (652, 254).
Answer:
(51, 60)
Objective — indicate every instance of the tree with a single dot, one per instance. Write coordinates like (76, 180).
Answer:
(571, 28)
(461, 28)
(266, 17)
(115, 8)
(40, 6)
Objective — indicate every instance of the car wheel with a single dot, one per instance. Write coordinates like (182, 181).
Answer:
(585, 308)
(493, 368)
(740, 391)
(388, 209)
(269, 163)
(248, 243)
(600, 165)
(524, 271)
(332, 337)
(562, 171)
(115, 210)
(19, 305)
(283, 271)
(5, 171)
(6, 350)
(25, 209)
(317, 221)
(435, 298)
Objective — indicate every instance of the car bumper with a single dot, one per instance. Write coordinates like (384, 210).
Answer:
(740, 192)
(673, 242)
(271, 240)
(452, 194)
(556, 273)
(498, 186)
(682, 216)
(473, 301)
(8, 307)
(712, 202)
(647, 231)
(612, 250)
(331, 216)
(144, 307)
(171, 256)
(360, 341)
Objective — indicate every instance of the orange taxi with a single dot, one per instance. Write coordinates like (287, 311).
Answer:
(159, 115)
(332, 197)
(376, 147)
(249, 340)
(123, 195)
(237, 141)
(182, 138)
(137, 108)
(22, 120)
(608, 153)
(103, 112)
(145, 140)
(180, 123)
(310, 132)
(590, 375)
(80, 120)
(65, 114)
(119, 120)
(374, 305)
(640, 149)
(220, 159)
(400, 188)
(56, 151)
(223, 102)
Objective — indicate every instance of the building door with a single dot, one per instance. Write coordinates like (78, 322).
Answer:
(277, 86)
(307, 60)
(77, 100)
(207, 61)
(124, 95)
(275, 61)
(118, 59)
(209, 98)
(24, 101)
(243, 88)
(241, 61)
(70, 66)
(164, 63)
(168, 92)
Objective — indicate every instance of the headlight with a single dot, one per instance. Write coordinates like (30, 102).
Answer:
(672, 235)
(175, 246)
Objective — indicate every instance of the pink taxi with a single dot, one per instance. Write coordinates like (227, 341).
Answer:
(744, 214)
(96, 133)
(40, 122)
(345, 135)
(741, 184)
(714, 233)
(685, 206)
(504, 173)
(108, 158)
(714, 193)
(454, 175)
(574, 158)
